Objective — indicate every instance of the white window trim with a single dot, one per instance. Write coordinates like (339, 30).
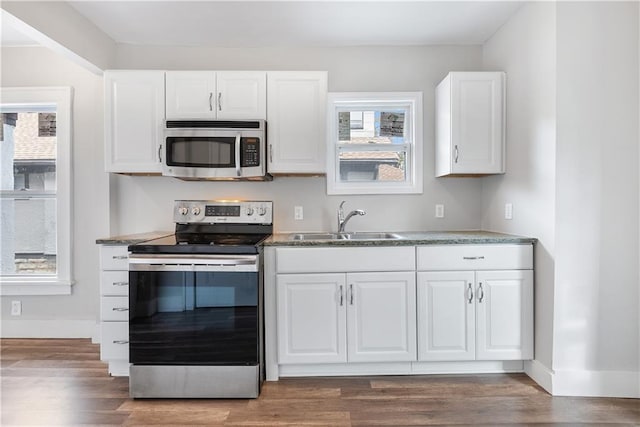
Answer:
(62, 282)
(341, 100)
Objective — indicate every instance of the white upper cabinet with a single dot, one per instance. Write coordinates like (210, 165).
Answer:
(206, 95)
(296, 117)
(470, 124)
(242, 95)
(134, 115)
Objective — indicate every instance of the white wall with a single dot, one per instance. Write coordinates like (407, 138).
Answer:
(597, 282)
(76, 314)
(525, 48)
(141, 203)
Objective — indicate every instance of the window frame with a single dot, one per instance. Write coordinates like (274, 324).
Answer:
(358, 101)
(61, 97)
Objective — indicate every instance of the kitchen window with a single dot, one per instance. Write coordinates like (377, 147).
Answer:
(375, 143)
(35, 191)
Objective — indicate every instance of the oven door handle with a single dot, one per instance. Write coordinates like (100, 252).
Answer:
(192, 262)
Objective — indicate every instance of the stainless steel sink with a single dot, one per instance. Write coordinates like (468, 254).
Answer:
(365, 235)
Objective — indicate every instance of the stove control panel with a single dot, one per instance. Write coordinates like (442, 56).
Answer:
(223, 211)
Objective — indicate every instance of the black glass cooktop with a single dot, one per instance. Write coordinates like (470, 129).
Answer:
(208, 239)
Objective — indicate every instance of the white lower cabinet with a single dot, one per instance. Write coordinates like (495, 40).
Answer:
(364, 310)
(352, 317)
(475, 314)
(114, 308)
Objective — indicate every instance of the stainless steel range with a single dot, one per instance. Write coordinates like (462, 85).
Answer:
(195, 303)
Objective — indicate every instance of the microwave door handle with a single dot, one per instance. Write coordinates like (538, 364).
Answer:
(238, 155)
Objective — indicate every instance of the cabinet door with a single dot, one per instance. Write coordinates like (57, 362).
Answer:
(296, 115)
(477, 113)
(134, 115)
(504, 304)
(446, 316)
(381, 317)
(242, 95)
(191, 95)
(311, 318)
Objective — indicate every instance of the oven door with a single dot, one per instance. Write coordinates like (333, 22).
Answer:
(210, 154)
(194, 310)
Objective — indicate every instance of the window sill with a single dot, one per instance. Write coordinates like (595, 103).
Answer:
(35, 287)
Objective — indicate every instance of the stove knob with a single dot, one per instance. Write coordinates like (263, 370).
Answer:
(262, 211)
(195, 210)
(249, 211)
(183, 211)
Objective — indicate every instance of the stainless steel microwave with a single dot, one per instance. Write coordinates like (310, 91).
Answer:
(215, 149)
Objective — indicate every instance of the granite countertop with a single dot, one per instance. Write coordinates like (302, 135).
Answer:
(132, 239)
(412, 238)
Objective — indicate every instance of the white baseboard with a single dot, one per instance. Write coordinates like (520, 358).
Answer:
(596, 383)
(540, 374)
(585, 383)
(49, 328)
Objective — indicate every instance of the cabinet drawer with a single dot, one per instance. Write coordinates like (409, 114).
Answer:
(114, 257)
(341, 260)
(114, 283)
(475, 257)
(114, 341)
(114, 308)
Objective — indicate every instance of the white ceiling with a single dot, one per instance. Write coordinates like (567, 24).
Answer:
(264, 23)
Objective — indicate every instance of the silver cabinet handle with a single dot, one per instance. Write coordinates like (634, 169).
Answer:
(120, 283)
(120, 342)
(351, 296)
(219, 101)
(270, 153)
(472, 257)
(160, 153)
(120, 256)
(341, 295)
(119, 309)
(470, 300)
(481, 293)
(210, 101)
(455, 156)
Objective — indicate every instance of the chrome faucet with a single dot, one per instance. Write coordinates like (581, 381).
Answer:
(342, 220)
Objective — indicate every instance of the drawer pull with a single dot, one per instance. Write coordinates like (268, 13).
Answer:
(472, 257)
(341, 295)
(481, 293)
(120, 309)
(470, 300)
(120, 342)
(351, 297)
(120, 283)
(120, 256)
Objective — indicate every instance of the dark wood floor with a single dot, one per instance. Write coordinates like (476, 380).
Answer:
(63, 382)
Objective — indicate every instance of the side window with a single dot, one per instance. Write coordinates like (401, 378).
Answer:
(374, 143)
(35, 191)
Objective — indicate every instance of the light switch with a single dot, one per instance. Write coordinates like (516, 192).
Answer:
(439, 211)
(298, 213)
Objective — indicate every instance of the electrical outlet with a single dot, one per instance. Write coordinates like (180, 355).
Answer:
(16, 308)
(439, 211)
(508, 211)
(298, 213)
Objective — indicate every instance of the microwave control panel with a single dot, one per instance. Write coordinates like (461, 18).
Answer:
(250, 152)
(223, 211)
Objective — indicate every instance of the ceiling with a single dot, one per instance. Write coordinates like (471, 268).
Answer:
(264, 23)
